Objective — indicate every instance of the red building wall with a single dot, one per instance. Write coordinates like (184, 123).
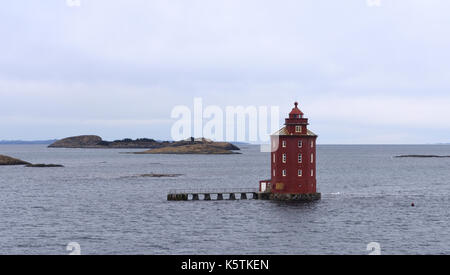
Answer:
(291, 182)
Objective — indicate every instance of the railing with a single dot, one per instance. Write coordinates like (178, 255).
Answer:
(214, 191)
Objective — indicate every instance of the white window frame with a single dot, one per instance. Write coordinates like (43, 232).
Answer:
(274, 172)
(284, 173)
(284, 158)
(312, 144)
(298, 129)
(300, 158)
(284, 144)
(300, 172)
(312, 172)
(274, 158)
(300, 144)
(312, 157)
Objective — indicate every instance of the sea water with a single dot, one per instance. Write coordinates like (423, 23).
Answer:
(100, 201)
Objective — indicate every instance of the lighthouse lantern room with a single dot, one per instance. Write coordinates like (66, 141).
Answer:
(293, 162)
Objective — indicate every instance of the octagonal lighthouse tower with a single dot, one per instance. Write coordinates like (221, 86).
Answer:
(293, 162)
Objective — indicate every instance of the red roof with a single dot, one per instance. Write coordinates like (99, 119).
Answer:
(284, 132)
(296, 110)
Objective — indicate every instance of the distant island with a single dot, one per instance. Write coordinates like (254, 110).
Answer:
(25, 142)
(188, 146)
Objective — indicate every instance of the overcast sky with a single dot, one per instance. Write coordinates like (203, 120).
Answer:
(362, 73)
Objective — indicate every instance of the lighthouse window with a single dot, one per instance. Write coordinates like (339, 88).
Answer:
(274, 174)
(312, 172)
(300, 144)
(284, 158)
(300, 173)
(300, 158)
(312, 144)
(298, 129)
(274, 158)
(312, 158)
(284, 143)
(284, 173)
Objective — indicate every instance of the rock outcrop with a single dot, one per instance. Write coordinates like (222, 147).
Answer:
(5, 160)
(421, 156)
(200, 149)
(160, 175)
(44, 165)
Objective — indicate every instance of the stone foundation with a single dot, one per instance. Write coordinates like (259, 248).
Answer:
(290, 197)
(177, 197)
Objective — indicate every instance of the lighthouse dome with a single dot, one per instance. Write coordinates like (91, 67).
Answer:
(296, 112)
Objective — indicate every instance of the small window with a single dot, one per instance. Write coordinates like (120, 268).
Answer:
(284, 158)
(312, 158)
(284, 143)
(284, 173)
(312, 172)
(300, 158)
(298, 129)
(274, 173)
(312, 144)
(300, 173)
(300, 144)
(274, 158)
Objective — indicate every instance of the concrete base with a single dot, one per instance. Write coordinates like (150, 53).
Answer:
(290, 197)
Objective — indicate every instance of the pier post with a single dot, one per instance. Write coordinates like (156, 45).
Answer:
(232, 197)
(255, 196)
(243, 196)
(207, 197)
(220, 197)
(195, 197)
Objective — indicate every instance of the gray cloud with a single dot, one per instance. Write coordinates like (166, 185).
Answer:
(134, 60)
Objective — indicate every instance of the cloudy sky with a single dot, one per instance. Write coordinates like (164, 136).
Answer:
(363, 73)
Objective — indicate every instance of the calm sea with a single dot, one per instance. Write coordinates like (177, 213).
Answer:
(99, 201)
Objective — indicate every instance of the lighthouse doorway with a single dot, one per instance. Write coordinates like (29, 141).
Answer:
(263, 187)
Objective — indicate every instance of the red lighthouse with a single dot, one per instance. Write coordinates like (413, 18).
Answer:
(293, 162)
